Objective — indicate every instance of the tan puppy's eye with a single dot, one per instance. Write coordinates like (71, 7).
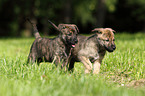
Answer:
(113, 39)
(107, 40)
(99, 38)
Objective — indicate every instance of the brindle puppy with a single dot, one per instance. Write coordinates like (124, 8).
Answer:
(57, 49)
(92, 49)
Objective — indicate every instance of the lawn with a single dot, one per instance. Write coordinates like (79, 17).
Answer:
(122, 72)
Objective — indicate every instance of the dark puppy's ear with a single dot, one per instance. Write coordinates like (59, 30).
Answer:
(61, 26)
(76, 28)
(66, 26)
(98, 30)
(54, 25)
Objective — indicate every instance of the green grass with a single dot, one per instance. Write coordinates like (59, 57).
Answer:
(122, 72)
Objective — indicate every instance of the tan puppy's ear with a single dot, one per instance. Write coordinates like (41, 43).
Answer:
(98, 30)
(110, 29)
(114, 31)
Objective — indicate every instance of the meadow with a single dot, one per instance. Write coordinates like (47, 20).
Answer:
(122, 72)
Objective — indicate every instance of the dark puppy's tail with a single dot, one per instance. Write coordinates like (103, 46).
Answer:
(54, 25)
(36, 33)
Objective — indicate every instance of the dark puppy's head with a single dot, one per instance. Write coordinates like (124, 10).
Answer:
(105, 36)
(69, 33)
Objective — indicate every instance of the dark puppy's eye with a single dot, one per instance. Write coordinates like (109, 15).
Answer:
(73, 30)
(63, 27)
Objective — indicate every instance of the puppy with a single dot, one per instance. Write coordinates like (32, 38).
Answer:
(53, 49)
(91, 50)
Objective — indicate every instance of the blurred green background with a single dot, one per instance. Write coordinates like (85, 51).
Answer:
(121, 15)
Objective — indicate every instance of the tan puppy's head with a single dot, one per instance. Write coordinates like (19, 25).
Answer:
(105, 37)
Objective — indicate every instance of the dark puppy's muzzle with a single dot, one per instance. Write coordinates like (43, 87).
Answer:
(76, 41)
(73, 42)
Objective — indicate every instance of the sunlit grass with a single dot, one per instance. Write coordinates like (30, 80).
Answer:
(122, 72)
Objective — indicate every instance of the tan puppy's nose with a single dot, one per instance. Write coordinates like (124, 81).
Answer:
(114, 47)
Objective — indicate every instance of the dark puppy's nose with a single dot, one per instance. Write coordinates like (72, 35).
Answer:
(76, 41)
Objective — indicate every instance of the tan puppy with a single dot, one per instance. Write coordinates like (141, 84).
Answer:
(91, 50)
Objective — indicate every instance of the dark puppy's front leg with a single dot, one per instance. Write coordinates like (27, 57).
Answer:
(56, 60)
(66, 60)
(64, 64)
(71, 65)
